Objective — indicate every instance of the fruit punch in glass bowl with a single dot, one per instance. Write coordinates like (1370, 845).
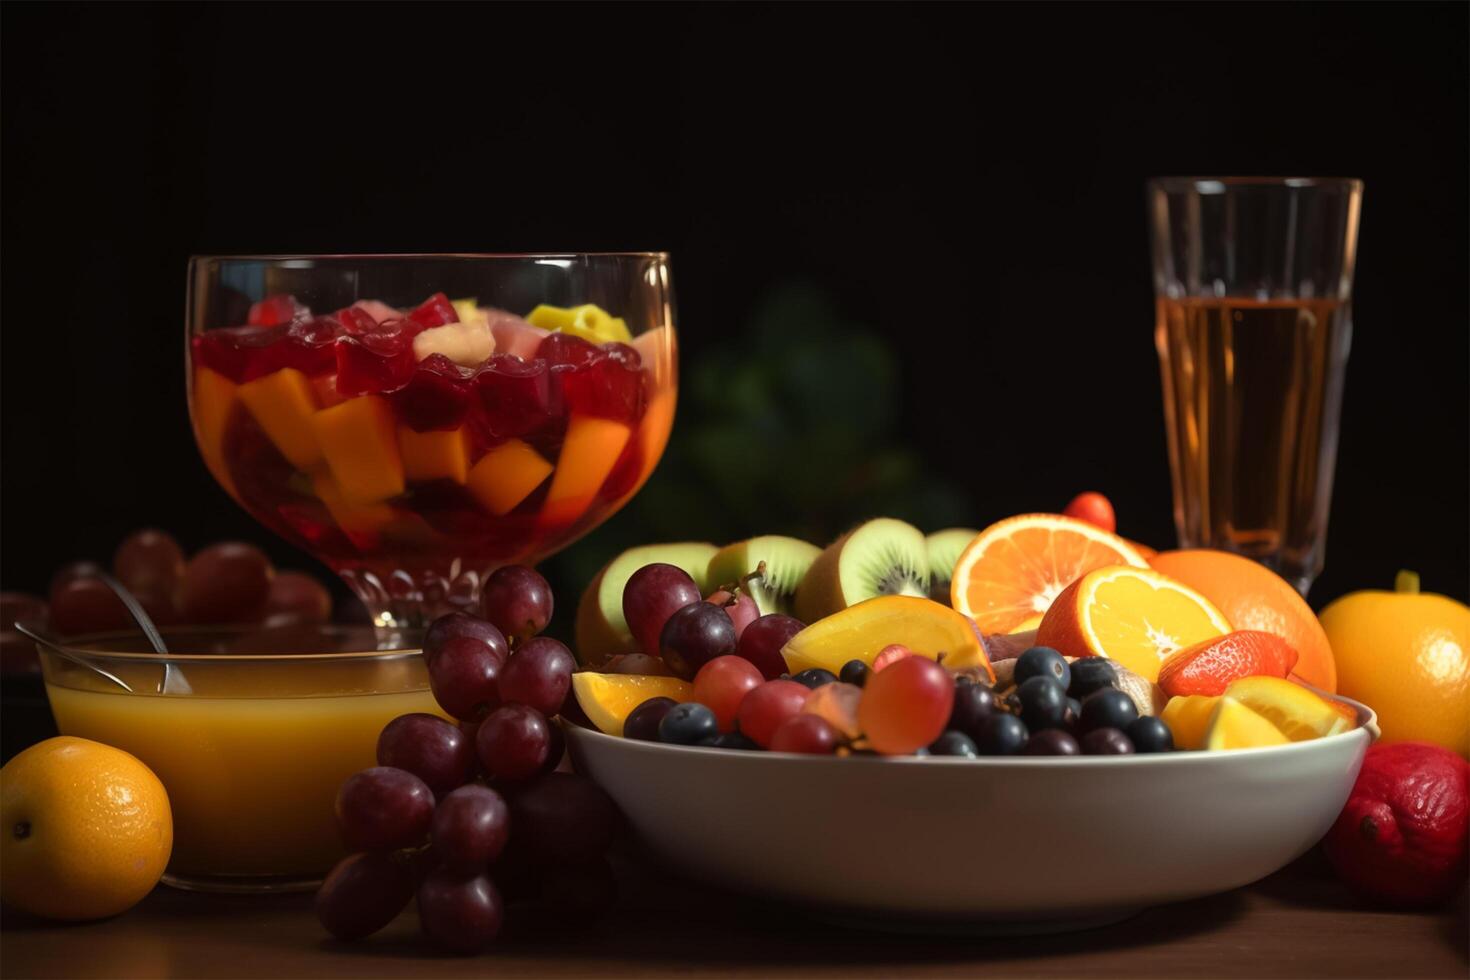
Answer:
(418, 421)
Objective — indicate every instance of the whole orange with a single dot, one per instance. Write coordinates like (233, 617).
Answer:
(1253, 597)
(85, 830)
(1406, 654)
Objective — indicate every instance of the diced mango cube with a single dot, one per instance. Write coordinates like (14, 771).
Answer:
(591, 448)
(506, 475)
(443, 455)
(354, 518)
(214, 397)
(360, 442)
(283, 403)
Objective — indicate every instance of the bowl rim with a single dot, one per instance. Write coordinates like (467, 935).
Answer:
(426, 256)
(69, 648)
(1367, 727)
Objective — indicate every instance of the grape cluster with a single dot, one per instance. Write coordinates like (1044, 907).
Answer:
(464, 816)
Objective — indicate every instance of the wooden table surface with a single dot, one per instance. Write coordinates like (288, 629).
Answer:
(1297, 923)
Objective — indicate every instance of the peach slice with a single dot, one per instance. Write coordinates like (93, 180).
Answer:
(608, 699)
(214, 397)
(360, 442)
(440, 455)
(283, 403)
(506, 475)
(591, 448)
(859, 632)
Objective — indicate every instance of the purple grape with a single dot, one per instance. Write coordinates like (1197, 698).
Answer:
(1105, 741)
(436, 751)
(1050, 741)
(538, 675)
(582, 890)
(518, 601)
(563, 818)
(471, 826)
(363, 894)
(462, 624)
(653, 594)
(514, 742)
(460, 912)
(763, 639)
(695, 635)
(556, 751)
(642, 722)
(464, 677)
(383, 809)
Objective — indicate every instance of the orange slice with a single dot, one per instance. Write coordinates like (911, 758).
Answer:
(1235, 726)
(1026, 625)
(608, 699)
(1188, 718)
(1136, 616)
(1016, 568)
(1299, 714)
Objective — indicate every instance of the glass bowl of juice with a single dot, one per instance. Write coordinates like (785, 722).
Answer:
(251, 747)
(416, 421)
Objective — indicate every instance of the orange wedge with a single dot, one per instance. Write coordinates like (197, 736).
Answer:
(1299, 714)
(1188, 718)
(1136, 616)
(608, 699)
(1235, 726)
(1014, 569)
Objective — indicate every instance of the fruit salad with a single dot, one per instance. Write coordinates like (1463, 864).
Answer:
(432, 441)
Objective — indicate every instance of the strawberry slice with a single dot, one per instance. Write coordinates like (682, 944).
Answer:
(1211, 665)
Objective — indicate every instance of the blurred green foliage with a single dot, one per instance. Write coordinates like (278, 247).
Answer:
(791, 426)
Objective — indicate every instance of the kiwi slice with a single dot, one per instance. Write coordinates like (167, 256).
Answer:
(778, 563)
(945, 548)
(880, 557)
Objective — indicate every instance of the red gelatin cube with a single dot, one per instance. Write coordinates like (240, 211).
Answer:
(241, 353)
(436, 396)
(356, 320)
(275, 310)
(434, 312)
(516, 395)
(309, 345)
(563, 348)
(605, 389)
(375, 362)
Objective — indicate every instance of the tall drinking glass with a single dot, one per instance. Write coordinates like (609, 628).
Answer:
(1253, 287)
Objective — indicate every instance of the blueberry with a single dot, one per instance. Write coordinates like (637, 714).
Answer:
(854, 672)
(954, 743)
(1149, 734)
(1106, 741)
(1091, 674)
(921, 751)
(815, 677)
(1108, 708)
(971, 703)
(642, 721)
(1073, 718)
(730, 740)
(688, 724)
(1043, 703)
(1053, 741)
(1000, 734)
(1042, 662)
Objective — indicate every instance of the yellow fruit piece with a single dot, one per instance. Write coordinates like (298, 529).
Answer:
(468, 311)
(360, 441)
(214, 397)
(1406, 654)
(588, 321)
(354, 517)
(283, 403)
(608, 699)
(88, 830)
(858, 632)
(506, 475)
(1296, 712)
(1026, 625)
(1234, 726)
(1188, 718)
(441, 455)
(588, 454)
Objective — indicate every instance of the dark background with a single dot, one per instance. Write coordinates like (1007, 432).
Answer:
(960, 188)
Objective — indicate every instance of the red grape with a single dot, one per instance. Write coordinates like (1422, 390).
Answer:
(460, 912)
(514, 742)
(383, 809)
(807, 734)
(149, 562)
(471, 826)
(87, 605)
(227, 582)
(431, 748)
(653, 594)
(558, 747)
(722, 684)
(642, 721)
(363, 894)
(518, 601)
(464, 675)
(640, 664)
(695, 635)
(296, 597)
(763, 710)
(563, 818)
(70, 572)
(906, 705)
(538, 675)
(889, 655)
(742, 612)
(763, 639)
(446, 627)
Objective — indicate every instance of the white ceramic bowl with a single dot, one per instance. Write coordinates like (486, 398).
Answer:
(990, 840)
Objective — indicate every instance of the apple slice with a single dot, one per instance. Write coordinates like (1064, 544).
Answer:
(601, 630)
(860, 631)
